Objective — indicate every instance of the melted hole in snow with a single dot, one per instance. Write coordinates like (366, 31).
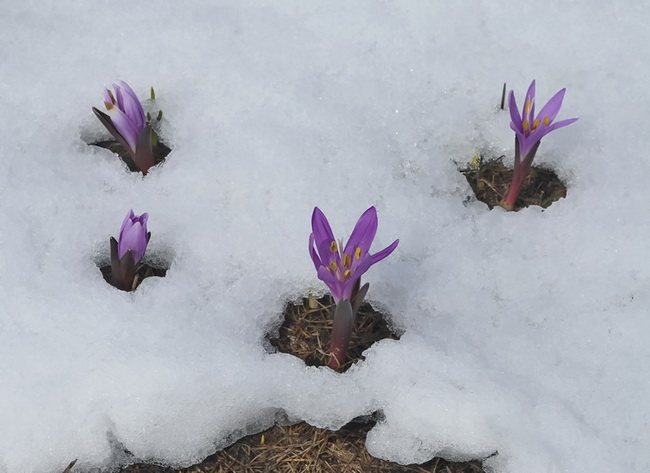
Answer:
(160, 152)
(152, 264)
(490, 180)
(307, 327)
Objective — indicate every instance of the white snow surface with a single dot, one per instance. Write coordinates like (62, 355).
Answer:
(524, 333)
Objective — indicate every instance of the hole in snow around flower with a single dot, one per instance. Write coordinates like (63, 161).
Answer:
(307, 326)
(490, 179)
(160, 152)
(155, 263)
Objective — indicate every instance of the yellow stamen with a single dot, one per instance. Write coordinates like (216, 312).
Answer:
(528, 106)
(357, 253)
(546, 121)
(334, 265)
(328, 268)
(525, 125)
(536, 124)
(333, 247)
(346, 274)
(346, 260)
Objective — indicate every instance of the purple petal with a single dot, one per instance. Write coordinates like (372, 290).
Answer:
(125, 127)
(118, 96)
(324, 237)
(561, 123)
(526, 143)
(132, 106)
(348, 286)
(552, 107)
(133, 235)
(313, 253)
(133, 239)
(129, 216)
(380, 255)
(515, 118)
(108, 98)
(364, 232)
(335, 286)
(528, 112)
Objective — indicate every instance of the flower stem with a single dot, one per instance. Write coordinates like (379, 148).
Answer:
(522, 168)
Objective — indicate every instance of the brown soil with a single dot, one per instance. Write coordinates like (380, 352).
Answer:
(305, 332)
(302, 448)
(490, 181)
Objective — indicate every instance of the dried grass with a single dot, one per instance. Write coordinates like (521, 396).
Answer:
(305, 332)
(490, 180)
(302, 448)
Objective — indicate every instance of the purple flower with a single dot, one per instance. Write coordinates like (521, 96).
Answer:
(126, 112)
(128, 252)
(341, 270)
(133, 236)
(529, 131)
(126, 121)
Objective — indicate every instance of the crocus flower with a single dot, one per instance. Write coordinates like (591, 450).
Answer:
(529, 131)
(126, 121)
(342, 271)
(129, 250)
(133, 236)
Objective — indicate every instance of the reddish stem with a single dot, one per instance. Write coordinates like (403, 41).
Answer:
(522, 168)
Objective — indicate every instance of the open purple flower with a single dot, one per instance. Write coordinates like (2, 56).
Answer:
(529, 131)
(126, 121)
(129, 250)
(342, 271)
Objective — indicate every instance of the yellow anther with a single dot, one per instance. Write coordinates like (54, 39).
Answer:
(536, 124)
(108, 105)
(346, 260)
(328, 268)
(528, 106)
(334, 266)
(546, 121)
(357, 253)
(525, 125)
(333, 247)
(346, 274)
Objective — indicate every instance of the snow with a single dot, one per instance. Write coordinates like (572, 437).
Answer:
(524, 333)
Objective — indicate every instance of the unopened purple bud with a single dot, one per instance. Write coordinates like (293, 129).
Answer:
(126, 113)
(133, 236)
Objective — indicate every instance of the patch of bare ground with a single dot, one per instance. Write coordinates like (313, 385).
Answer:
(142, 271)
(160, 152)
(305, 332)
(490, 180)
(302, 448)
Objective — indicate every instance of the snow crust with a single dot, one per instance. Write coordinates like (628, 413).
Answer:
(524, 333)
